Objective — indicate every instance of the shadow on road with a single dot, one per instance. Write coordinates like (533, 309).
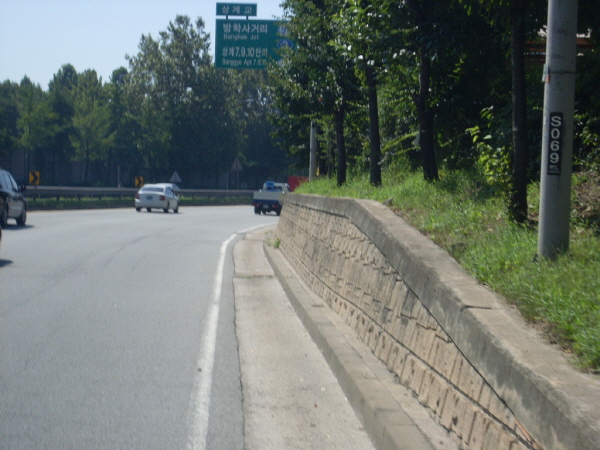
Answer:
(10, 228)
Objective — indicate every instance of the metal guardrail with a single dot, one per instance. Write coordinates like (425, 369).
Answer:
(35, 192)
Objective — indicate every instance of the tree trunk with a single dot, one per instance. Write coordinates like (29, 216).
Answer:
(338, 117)
(425, 116)
(518, 193)
(424, 112)
(323, 157)
(375, 157)
(330, 161)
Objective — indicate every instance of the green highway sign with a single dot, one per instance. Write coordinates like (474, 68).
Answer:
(249, 44)
(236, 9)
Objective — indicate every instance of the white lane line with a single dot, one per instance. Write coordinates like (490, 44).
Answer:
(256, 227)
(203, 380)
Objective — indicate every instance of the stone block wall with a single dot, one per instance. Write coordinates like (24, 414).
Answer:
(351, 257)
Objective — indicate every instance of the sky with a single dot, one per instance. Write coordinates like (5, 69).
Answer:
(37, 37)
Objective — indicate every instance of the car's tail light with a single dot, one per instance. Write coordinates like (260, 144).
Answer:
(137, 196)
(162, 197)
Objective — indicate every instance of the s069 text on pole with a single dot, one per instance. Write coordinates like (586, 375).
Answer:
(555, 143)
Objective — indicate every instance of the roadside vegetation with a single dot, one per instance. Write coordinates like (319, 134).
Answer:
(436, 108)
(465, 216)
(67, 203)
(169, 110)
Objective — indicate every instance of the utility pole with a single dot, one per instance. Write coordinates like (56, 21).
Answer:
(557, 137)
(312, 171)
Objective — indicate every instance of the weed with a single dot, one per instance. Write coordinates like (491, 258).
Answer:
(460, 214)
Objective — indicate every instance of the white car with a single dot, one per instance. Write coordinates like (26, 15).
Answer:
(173, 186)
(155, 196)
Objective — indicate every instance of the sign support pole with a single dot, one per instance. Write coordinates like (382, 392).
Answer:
(557, 137)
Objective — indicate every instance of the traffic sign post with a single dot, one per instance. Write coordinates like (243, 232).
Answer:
(175, 178)
(557, 137)
(237, 168)
(34, 178)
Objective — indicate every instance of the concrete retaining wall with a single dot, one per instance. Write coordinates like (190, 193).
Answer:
(471, 360)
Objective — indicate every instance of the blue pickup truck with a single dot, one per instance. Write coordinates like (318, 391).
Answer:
(269, 198)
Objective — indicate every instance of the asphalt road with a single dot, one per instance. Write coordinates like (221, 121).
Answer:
(117, 330)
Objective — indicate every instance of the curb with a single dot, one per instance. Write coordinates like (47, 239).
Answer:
(388, 425)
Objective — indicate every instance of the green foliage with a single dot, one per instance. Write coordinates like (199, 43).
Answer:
(9, 114)
(316, 81)
(466, 45)
(91, 137)
(587, 115)
(496, 165)
(494, 161)
(562, 294)
(171, 110)
(183, 103)
(462, 214)
(36, 118)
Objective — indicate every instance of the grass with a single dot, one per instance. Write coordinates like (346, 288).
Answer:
(461, 214)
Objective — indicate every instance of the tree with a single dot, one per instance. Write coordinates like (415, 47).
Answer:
(518, 196)
(422, 49)
(261, 156)
(525, 19)
(123, 155)
(587, 114)
(293, 108)
(91, 136)
(9, 113)
(316, 70)
(60, 93)
(422, 13)
(36, 122)
(188, 110)
(451, 63)
(367, 36)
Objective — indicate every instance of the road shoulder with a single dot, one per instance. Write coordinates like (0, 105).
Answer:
(390, 413)
(291, 398)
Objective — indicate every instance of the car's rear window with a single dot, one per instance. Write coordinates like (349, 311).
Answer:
(152, 189)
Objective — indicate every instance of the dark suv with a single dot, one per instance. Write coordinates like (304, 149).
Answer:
(12, 203)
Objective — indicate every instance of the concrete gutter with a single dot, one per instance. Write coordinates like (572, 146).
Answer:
(368, 385)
